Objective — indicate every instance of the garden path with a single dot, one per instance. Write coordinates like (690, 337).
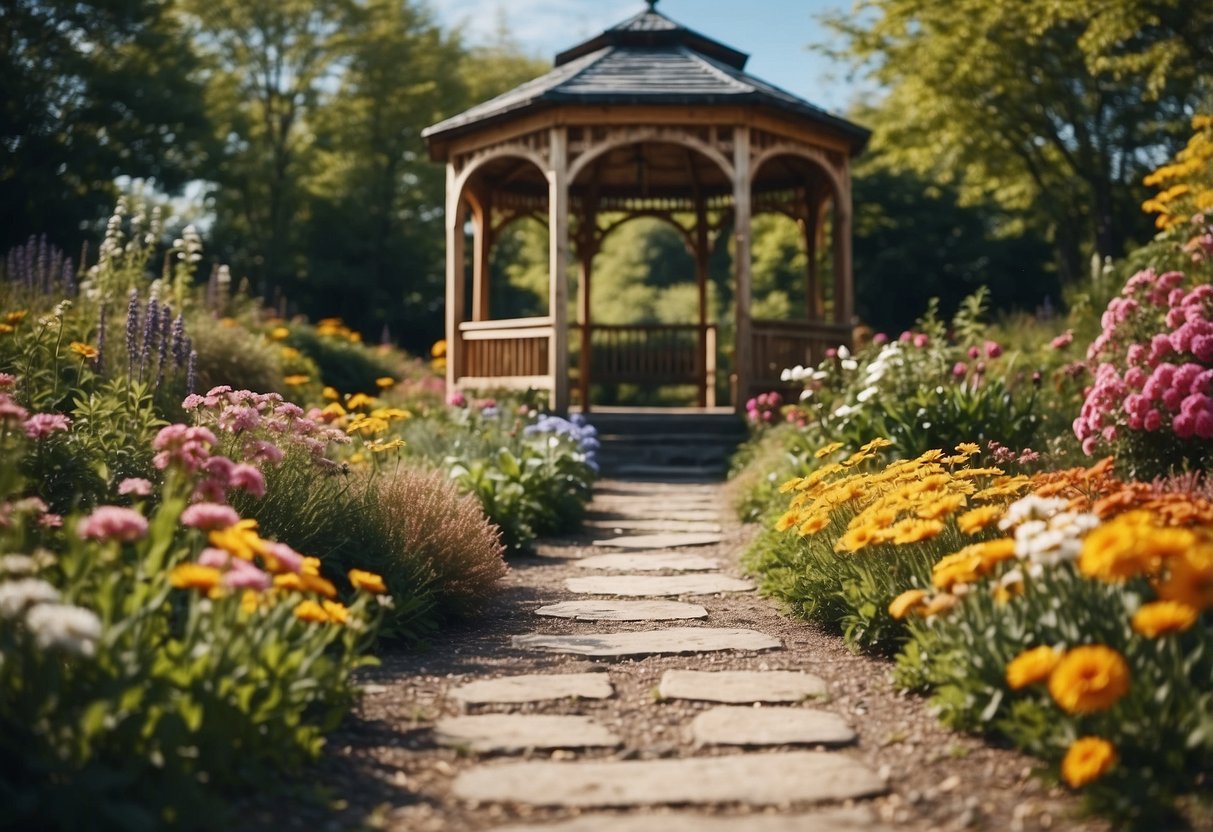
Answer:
(630, 680)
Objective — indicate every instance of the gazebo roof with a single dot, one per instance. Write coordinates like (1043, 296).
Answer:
(647, 59)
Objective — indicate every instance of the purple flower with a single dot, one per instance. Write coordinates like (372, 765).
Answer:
(113, 523)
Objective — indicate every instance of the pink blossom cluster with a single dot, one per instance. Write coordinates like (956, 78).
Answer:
(113, 523)
(190, 449)
(1003, 455)
(1153, 363)
(237, 573)
(763, 408)
(918, 339)
(10, 411)
(35, 507)
(266, 423)
(43, 425)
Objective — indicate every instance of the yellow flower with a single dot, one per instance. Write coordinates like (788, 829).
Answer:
(939, 604)
(330, 393)
(856, 458)
(384, 382)
(1032, 667)
(993, 552)
(968, 448)
(913, 530)
(319, 585)
(856, 539)
(195, 576)
(367, 581)
(1130, 546)
(976, 519)
(942, 507)
(787, 520)
(905, 602)
(439, 349)
(333, 409)
(1089, 679)
(280, 333)
(312, 612)
(963, 567)
(289, 581)
(311, 566)
(1160, 618)
(814, 523)
(1088, 759)
(290, 352)
(84, 350)
(297, 379)
(392, 414)
(789, 485)
(16, 317)
(930, 456)
(359, 400)
(875, 445)
(337, 612)
(5, 329)
(367, 425)
(1190, 578)
(377, 447)
(250, 601)
(822, 453)
(240, 540)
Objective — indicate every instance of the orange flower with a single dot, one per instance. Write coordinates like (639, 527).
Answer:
(905, 602)
(1163, 617)
(195, 576)
(1031, 667)
(939, 604)
(367, 581)
(312, 612)
(1088, 759)
(1089, 679)
(337, 613)
(87, 351)
(975, 520)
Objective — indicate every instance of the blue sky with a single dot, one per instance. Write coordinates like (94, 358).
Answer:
(776, 33)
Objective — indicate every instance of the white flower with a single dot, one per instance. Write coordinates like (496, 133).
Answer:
(786, 375)
(819, 375)
(844, 411)
(866, 393)
(806, 394)
(1053, 541)
(849, 364)
(843, 352)
(15, 596)
(1031, 507)
(17, 565)
(64, 627)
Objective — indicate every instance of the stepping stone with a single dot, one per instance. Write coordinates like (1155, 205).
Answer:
(654, 525)
(650, 512)
(657, 585)
(502, 733)
(660, 541)
(741, 686)
(753, 779)
(674, 640)
(650, 561)
(737, 725)
(534, 688)
(843, 819)
(623, 611)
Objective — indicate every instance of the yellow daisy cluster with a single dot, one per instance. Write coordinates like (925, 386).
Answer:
(909, 501)
(1186, 187)
(336, 328)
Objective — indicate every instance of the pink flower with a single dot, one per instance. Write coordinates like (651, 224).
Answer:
(960, 369)
(10, 410)
(1153, 421)
(284, 555)
(42, 425)
(993, 349)
(261, 451)
(209, 516)
(244, 575)
(1064, 340)
(457, 399)
(50, 521)
(921, 340)
(214, 558)
(249, 478)
(136, 486)
(188, 447)
(113, 523)
(7, 381)
(880, 339)
(974, 352)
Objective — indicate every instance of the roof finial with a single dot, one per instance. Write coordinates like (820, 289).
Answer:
(652, 5)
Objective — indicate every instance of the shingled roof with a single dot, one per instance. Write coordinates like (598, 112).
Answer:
(647, 59)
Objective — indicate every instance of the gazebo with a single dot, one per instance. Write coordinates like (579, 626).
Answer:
(648, 119)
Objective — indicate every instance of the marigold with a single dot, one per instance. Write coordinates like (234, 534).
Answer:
(280, 333)
(787, 520)
(1089, 679)
(1032, 667)
(312, 612)
(296, 379)
(963, 567)
(822, 453)
(942, 507)
(1189, 578)
(289, 581)
(1160, 618)
(1088, 759)
(360, 400)
(814, 523)
(939, 604)
(914, 530)
(337, 612)
(83, 350)
(903, 604)
(195, 576)
(968, 448)
(974, 520)
(856, 538)
(367, 581)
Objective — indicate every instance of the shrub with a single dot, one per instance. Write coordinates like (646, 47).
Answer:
(343, 360)
(229, 354)
(424, 520)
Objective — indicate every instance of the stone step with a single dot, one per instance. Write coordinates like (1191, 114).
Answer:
(741, 686)
(645, 524)
(672, 641)
(657, 586)
(833, 819)
(753, 779)
(649, 562)
(535, 687)
(735, 725)
(623, 611)
(667, 540)
(507, 733)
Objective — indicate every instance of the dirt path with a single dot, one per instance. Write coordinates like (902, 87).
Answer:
(860, 757)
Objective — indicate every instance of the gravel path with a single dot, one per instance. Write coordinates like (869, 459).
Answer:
(860, 757)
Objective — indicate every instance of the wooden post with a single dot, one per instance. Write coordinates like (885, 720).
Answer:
(743, 351)
(701, 277)
(844, 289)
(586, 248)
(454, 281)
(482, 236)
(558, 290)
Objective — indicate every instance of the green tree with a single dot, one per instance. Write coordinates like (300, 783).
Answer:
(78, 109)
(999, 100)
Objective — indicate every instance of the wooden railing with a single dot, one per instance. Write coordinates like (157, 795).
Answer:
(510, 354)
(782, 344)
(654, 354)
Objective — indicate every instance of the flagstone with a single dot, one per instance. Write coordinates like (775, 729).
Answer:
(535, 687)
(673, 640)
(649, 562)
(741, 686)
(841, 819)
(623, 610)
(735, 725)
(653, 525)
(658, 585)
(664, 540)
(752, 779)
(649, 511)
(502, 733)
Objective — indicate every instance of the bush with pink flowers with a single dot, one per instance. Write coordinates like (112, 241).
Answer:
(1151, 401)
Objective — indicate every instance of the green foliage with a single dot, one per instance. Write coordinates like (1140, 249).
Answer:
(233, 355)
(346, 365)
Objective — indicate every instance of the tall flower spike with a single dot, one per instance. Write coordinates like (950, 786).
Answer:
(132, 333)
(180, 348)
(191, 373)
(166, 328)
(150, 329)
(97, 362)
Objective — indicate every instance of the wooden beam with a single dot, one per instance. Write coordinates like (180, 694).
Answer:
(558, 291)
(482, 237)
(454, 280)
(743, 350)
